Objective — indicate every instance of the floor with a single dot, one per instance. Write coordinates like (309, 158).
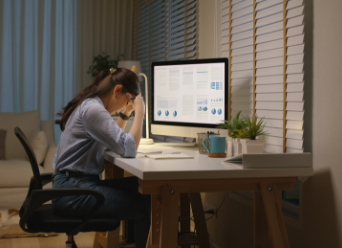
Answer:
(83, 240)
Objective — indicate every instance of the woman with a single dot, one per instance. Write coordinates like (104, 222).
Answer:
(87, 130)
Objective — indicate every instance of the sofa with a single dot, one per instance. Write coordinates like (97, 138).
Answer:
(15, 169)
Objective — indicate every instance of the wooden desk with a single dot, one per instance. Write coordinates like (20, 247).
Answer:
(170, 181)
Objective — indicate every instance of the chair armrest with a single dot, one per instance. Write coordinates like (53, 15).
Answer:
(39, 197)
(44, 177)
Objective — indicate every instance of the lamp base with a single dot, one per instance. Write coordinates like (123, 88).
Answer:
(144, 141)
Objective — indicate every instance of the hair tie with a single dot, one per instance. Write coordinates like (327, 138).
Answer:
(112, 70)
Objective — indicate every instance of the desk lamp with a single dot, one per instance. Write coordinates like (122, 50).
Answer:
(136, 67)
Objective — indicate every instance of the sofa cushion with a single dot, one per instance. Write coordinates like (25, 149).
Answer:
(28, 122)
(16, 173)
(39, 145)
(2, 144)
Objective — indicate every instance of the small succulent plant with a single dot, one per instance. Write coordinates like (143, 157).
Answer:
(254, 128)
(234, 126)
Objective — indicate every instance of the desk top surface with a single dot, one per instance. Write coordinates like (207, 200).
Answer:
(201, 167)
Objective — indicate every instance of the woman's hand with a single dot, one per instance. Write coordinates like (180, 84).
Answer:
(138, 105)
(129, 108)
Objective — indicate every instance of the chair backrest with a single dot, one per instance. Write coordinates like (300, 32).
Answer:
(32, 157)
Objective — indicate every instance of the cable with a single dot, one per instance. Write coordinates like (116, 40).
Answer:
(217, 210)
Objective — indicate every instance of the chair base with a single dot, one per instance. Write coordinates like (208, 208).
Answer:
(71, 242)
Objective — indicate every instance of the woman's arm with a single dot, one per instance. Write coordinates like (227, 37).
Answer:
(136, 129)
(122, 123)
(99, 125)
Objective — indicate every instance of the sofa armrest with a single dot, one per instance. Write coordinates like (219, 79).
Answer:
(48, 128)
(49, 158)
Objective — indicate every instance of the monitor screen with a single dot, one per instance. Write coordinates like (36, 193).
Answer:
(190, 92)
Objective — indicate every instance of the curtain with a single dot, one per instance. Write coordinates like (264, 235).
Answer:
(47, 46)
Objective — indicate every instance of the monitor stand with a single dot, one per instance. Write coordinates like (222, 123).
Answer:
(187, 144)
(180, 143)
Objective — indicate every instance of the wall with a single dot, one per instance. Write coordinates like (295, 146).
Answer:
(322, 193)
(234, 224)
(322, 199)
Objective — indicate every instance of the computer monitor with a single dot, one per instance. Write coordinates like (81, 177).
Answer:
(189, 96)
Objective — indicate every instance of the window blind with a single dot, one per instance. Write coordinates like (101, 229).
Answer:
(241, 57)
(163, 30)
(264, 40)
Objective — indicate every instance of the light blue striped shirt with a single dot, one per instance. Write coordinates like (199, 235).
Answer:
(88, 132)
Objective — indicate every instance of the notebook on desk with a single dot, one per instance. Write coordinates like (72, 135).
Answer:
(272, 160)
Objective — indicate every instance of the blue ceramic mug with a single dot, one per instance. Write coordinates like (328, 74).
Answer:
(217, 144)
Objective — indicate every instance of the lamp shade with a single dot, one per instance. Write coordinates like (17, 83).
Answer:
(128, 65)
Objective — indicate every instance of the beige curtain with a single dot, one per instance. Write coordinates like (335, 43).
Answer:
(103, 26)
(47, 46)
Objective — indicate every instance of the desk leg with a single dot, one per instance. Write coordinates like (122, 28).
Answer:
(153, 237)
(185, 215)
(271, 196)
(169, 218)
(201, 226)
(260, 223)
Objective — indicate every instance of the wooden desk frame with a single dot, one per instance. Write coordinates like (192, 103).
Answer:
(166, 195)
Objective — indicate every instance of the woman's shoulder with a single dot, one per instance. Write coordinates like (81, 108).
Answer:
(93, 103)
(91, 107)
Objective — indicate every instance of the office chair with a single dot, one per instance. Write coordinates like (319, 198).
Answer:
(36, 217)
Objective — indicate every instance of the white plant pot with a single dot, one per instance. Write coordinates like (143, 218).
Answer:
(229, 146)
(252, 146)
(237, 147)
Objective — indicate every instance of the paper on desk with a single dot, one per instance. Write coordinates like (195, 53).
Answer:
(169, 156)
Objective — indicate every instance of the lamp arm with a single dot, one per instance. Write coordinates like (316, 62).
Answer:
(146, 105)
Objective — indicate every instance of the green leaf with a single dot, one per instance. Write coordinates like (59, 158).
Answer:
(103, 62)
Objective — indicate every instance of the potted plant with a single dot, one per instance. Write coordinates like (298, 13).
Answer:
(255, 127)
(234, 127)
(102, 62)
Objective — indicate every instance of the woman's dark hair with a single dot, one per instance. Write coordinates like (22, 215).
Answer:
(102, 85)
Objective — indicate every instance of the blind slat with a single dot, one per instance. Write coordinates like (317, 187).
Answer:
(241, 5)
(294, 3)
(266, 4)
(269, 11)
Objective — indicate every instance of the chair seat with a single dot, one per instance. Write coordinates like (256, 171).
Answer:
(44, 220)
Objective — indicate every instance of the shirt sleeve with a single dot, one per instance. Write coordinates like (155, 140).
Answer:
(100, 126)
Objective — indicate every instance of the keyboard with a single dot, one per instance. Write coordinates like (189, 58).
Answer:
(145, 150)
